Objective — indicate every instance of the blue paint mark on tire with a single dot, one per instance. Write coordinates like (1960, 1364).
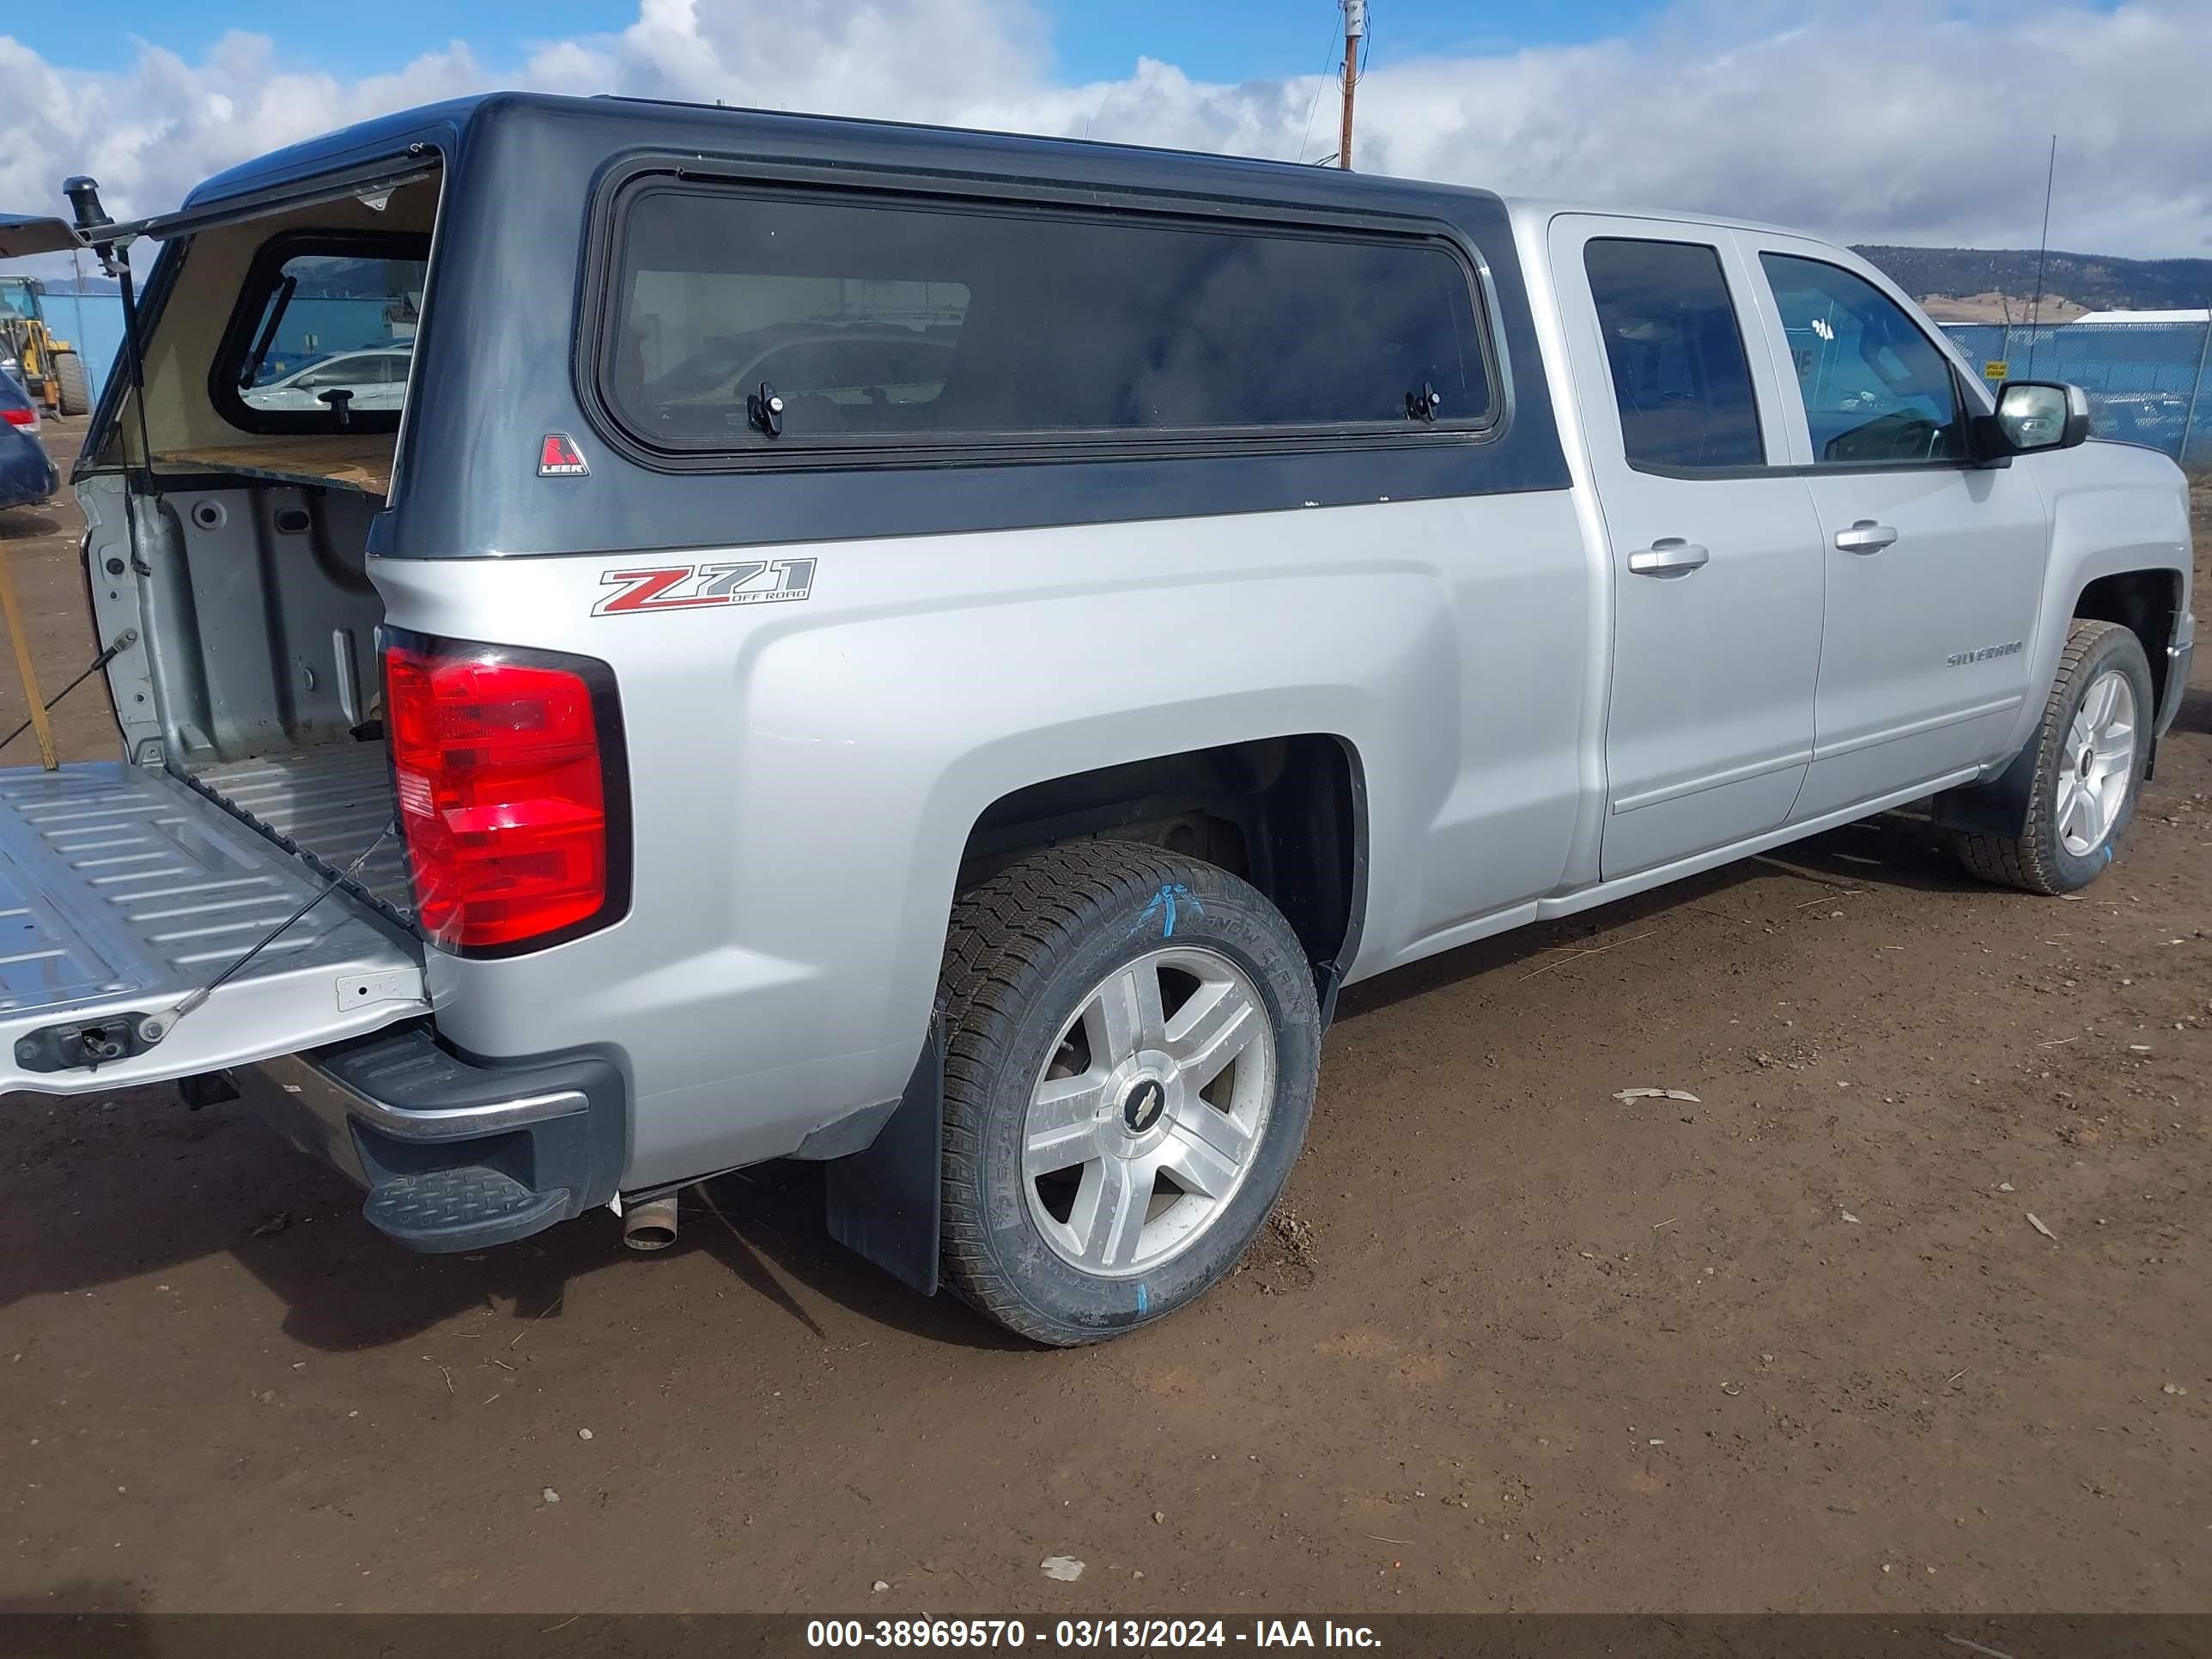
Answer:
(1144, 1297)
(1164, 905)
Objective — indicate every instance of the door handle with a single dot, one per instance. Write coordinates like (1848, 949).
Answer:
(1865, 537)
(1670, 556)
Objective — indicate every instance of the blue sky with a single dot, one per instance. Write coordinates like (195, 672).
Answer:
(1091, 39)
(1919, 121)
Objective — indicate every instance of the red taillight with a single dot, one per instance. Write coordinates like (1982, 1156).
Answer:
(500, 765)
(20, 416)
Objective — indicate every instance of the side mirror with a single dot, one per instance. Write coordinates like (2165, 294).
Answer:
(2033, 415)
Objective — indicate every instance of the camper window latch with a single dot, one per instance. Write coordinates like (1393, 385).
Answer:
(764, 410)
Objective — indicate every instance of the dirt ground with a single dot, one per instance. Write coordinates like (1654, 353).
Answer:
(1511, 1344)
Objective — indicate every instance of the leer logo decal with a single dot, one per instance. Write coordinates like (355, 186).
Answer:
(688, 586)
(559, 458)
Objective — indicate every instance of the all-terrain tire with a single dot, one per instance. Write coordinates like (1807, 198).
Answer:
(70, 385)
(1024, 953)
(2038, 860)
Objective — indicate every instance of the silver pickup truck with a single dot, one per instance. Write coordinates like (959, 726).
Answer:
(658, 638)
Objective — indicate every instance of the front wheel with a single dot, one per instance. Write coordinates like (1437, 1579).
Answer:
(2090, 752)
(1132, 1045)
(72, 392)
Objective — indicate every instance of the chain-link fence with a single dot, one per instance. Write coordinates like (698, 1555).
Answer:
(2147, 382)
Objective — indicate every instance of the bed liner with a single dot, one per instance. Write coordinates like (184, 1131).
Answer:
(328, 804)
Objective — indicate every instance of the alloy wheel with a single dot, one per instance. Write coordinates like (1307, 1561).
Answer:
(2098, 764)
(1148, 1113)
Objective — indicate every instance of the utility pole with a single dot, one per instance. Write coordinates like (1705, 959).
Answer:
(1355, 27)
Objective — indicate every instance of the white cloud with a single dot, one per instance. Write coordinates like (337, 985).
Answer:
(905, 57)
(150, 135)
(1869, 120)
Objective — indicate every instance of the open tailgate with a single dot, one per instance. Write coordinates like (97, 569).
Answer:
(122, 891)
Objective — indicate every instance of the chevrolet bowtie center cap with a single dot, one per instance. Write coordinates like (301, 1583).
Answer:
(1142, 1107)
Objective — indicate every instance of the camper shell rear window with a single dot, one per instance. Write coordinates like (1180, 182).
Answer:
(323, 336)
(773, 326)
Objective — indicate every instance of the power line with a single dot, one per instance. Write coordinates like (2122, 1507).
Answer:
(1319, 81)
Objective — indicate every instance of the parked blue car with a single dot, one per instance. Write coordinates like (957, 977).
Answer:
(17, 407)
(25, 475)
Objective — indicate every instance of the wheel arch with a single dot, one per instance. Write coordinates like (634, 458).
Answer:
(2119, 550)
(2001, 807)
(1289, 814)
(2146, 602)
(1298, 806)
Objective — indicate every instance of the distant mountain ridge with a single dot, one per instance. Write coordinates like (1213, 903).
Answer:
(2097, 282)
(1987, 279)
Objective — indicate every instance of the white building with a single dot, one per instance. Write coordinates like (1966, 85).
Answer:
(2197, 316)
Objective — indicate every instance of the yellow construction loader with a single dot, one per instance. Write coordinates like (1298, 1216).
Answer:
(50, 369)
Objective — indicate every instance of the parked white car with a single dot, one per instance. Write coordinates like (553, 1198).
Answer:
(377, 378)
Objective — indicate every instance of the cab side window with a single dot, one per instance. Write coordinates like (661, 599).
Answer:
(1877, 391)
(1679, 375)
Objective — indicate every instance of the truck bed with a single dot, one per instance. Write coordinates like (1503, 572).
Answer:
(328, 803)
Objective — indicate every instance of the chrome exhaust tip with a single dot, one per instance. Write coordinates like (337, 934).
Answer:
(650, 1226)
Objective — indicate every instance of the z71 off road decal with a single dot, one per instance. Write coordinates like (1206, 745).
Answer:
(687, 587)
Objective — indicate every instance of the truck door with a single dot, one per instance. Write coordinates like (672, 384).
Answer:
(1715, 548)
(1933, 568)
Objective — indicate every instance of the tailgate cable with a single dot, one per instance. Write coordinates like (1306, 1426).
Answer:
(154, 1027)
(127, 638)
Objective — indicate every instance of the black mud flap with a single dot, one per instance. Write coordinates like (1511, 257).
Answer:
(885, 1202)
(1329, 980)
(1998, 807)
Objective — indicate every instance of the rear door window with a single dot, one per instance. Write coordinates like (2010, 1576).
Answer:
(913, 323)
(1679, 376)
(319, 318)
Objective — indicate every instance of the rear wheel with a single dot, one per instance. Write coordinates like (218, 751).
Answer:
(1133, 1043)
(2089, 757)
(70, 385)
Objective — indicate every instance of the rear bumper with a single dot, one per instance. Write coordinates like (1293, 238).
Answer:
(456, 1154)
(2180, 656)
